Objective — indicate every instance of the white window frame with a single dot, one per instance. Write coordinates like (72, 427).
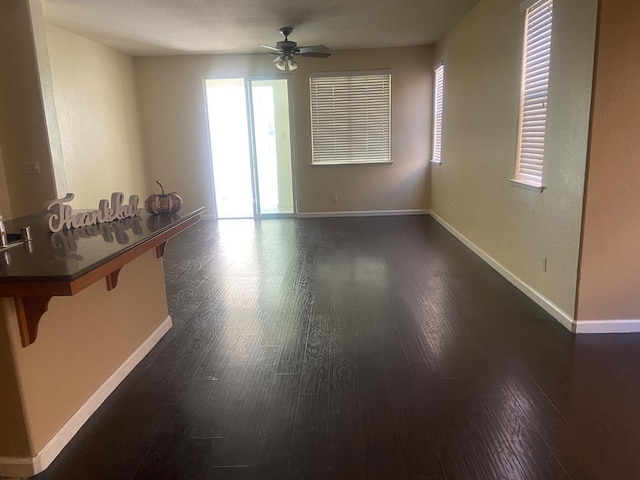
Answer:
(350, 117)
(438, 102)
(534, 93)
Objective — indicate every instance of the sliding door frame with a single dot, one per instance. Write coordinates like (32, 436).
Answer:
(248, 79)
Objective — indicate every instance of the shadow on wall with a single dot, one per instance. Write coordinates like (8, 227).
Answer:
(5, 205)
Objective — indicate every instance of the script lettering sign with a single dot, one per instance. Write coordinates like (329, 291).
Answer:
(62, 215)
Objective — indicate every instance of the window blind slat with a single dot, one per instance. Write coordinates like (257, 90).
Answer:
(351, 118)
(438, 99)
(535, 86)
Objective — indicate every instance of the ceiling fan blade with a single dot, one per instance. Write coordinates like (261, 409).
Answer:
(315, 54)
(313, 48)
(269, 47)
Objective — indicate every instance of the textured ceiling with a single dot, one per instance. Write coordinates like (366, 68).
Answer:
(161, 27)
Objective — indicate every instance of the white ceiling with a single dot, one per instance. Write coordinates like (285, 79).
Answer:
(170, 27)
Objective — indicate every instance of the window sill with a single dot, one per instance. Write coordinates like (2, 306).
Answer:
(338, 164)
(437, 162)
(526, 186)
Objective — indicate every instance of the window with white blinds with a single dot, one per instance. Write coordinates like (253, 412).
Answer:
(351, 117)
(438, 97)
(535, 89)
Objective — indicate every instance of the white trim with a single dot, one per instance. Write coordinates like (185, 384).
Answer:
(208, 217)
(16, 467)
(527, 186)
(534, 295)
(351, 73)
(527, 4)
(608, 326)
(364, 213)
(534, 93)
(28, 466)
(359, 162)
(437, 114)
(350, 118)
(575, 326)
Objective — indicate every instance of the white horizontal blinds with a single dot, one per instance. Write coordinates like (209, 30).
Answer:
(351, 118)
(535, 91)
(438, 97)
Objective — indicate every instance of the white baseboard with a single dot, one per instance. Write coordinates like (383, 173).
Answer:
(564, 319)
(28, 466)
(15, 467)
(357, 213)
(362, 213)
(608, 326)
(575, 326)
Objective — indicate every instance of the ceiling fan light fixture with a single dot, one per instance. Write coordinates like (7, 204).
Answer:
(286, 49)
(280, 63)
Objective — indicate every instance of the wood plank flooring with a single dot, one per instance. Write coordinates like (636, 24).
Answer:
(359, 348)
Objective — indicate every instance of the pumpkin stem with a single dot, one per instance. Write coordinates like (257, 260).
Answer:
(161, 187)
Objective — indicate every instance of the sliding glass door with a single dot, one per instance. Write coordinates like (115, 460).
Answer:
(249, 131)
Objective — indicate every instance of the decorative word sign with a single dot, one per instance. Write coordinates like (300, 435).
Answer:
(62, 215)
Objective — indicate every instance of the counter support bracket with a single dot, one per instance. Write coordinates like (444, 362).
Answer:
(31, 297)
(112, 279)
(29, 310)
(160, 250)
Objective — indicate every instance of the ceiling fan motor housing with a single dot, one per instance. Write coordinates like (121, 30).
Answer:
(287, 47)
(285, 50)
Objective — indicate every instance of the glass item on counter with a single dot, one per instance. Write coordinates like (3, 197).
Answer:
(3, 234)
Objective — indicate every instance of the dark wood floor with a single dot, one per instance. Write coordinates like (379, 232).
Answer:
(374, 348)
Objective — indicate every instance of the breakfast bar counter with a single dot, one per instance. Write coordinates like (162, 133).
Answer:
(79, 309)
(64, 263)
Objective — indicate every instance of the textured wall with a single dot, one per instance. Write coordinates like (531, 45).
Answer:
(75, 353)
(24, 134)
(610, 260)
(5, 203)
(14, 441)
(171, 92)
(98, 118)
(471, 189)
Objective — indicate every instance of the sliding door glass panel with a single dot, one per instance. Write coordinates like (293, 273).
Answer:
(270, 110)
(230, 147)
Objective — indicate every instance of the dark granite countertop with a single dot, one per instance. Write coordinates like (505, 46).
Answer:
(69, 254)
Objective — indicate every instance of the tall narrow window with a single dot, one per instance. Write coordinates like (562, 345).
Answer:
(438, 96)
(535, 89)
(351, 117)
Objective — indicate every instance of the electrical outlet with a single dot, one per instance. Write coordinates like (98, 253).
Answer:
(334, 197)
(543, 264)
(31, 167)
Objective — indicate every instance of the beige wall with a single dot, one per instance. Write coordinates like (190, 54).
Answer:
(171, 93)
(14, 441)
(610, 259)
(98, 118)
(48, 99)
(471, 189)
(74, 354)
(5, 203)
(24, 132)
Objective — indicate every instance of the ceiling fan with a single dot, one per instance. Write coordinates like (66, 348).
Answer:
(286, 49)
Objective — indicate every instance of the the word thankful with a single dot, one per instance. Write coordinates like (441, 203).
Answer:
(62, 215)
